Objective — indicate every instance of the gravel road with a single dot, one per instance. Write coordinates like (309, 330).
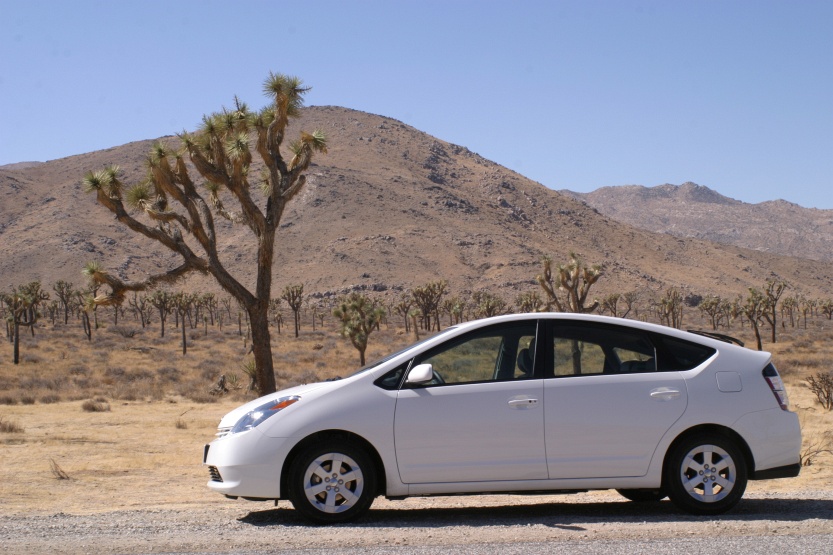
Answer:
(596, 522)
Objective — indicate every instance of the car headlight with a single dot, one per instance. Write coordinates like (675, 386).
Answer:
(255, 417)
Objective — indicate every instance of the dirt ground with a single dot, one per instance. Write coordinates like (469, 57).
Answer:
(141, 455)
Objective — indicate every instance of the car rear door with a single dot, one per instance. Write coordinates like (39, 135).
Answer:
(606, 405)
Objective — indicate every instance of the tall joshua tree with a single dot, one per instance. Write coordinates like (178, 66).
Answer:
(180, 214)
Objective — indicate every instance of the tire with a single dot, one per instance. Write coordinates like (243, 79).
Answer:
(642, 495)
(706, 474)
(332, 481)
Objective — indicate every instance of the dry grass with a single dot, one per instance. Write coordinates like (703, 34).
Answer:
(10, 427)
(146, 451)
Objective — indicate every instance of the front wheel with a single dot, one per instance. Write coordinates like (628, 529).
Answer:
(706, 475)
(332, 481)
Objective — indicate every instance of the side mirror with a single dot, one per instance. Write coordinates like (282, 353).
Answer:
(420, 374)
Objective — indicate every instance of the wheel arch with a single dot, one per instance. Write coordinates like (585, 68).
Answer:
(322, 437)
(714, 429)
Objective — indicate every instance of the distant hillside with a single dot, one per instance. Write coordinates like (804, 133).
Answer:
(691, 210)
(388, 208)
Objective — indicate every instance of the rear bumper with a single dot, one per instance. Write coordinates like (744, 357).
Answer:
(788, 471)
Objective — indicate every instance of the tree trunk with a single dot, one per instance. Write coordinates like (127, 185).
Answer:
(184, 344)
(16, 342)
(262, 346)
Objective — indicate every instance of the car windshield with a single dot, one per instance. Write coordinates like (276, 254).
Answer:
(382, 360)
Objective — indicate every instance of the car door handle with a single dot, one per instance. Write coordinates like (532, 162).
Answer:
(522, 403)
(665, 394)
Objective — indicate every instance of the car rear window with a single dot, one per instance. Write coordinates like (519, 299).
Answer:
(677, 354)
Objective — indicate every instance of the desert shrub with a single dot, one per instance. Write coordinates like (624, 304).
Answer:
(31, 358)
(42, 382)
(106, 344)
(210, 369)
(821, 385)
(119, 374)
(9, 427)
(127, 333)
(85, 383)
(49, 399)
(78, 370)
(168, 374)
(115, 372)
(95, 405)
(27, 399)
(8, 400)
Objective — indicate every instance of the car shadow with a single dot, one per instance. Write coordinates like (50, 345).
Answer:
(569, 516)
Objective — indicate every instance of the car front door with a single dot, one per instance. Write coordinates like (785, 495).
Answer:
(481, 418)
(606, 405)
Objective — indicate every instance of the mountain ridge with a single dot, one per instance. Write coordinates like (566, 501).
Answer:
(691, 210)
(388, 208)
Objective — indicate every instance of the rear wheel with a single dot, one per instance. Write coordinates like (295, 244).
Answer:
(706, 474)
(332, 482)
(642, 495)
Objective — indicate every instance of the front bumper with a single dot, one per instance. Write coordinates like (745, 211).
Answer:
(247, 464)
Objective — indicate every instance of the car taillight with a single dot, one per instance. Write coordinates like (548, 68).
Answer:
(776, 384)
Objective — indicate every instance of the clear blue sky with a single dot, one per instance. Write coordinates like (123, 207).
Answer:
(734, 95)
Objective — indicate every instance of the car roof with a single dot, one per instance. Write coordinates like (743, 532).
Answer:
(594, 318)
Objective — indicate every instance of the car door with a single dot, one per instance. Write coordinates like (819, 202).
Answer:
(606, 405)
(481, 418)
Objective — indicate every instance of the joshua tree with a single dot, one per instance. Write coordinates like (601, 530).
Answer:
(753, 308)
(670, 308)
(163, 302)
(773, 290)
(713, 307)
(403, 308)
(807, 306)
(428, 298)
(455, 307)
(86, 304)
(63, 290)
(294, 297)
(182, 221)
(358, 316)
(487, 304)
(182, 303)
(22, 308)
(610, 303)
(529, 302)
(827, 308)
(575, 279)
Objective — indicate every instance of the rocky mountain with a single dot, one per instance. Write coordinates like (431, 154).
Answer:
(691, 210)
(388, 208)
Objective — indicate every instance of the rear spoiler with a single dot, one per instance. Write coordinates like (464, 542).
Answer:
(719, 336)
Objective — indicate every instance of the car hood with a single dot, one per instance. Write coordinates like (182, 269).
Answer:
(231, 418)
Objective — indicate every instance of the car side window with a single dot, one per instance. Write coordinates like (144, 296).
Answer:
(496, 353)
(581, 349)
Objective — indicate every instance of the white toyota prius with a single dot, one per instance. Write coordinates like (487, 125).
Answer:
(545, 402)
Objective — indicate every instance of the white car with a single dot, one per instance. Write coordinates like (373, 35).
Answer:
(545, 402)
